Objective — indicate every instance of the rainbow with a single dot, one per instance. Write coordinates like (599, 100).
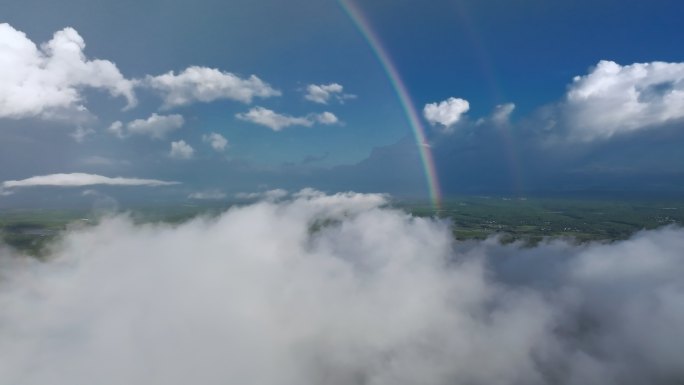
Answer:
(400, 88)
(506, 137)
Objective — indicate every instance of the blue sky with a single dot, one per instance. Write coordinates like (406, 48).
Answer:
(616, 128)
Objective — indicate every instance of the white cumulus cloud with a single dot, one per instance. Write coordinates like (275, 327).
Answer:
(202, 84)
(614, 99)
(323, 93)
(276, 122)
(217, 141)
(338, 289)
(447, 112)
(156, 126)
(326, 118)
(46, 81)
(181, 150)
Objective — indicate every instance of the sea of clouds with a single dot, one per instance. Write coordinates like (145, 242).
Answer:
(338, 289)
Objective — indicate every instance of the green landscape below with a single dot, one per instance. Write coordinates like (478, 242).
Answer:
(527, 220)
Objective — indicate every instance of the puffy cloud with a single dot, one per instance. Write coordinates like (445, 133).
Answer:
(217, 141)
(207, 195)
(326, 118)
(81, 179)
(181, 150)
(337, 289)
(324, 92)
(202, 84)
(614, 99)
(276, 121)
(156, 126)
(447, 112)
(46, 81)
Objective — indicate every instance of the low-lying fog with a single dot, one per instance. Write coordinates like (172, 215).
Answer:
(338, 289)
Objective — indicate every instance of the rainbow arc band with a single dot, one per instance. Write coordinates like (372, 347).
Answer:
(424, 150)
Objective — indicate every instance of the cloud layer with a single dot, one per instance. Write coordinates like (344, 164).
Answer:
(337, 289)
(47, 81)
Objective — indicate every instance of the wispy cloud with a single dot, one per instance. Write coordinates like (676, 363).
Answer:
(79, 180)
(323, 93)
(276, 121)
(207, 195)
(502, 113)
(97, 160)
(81, 133)
(270, 195)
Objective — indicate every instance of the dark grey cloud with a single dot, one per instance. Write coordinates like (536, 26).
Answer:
(529, 155)
(315, 158)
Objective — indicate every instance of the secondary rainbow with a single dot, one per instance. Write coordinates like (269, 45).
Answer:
(395, 79)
